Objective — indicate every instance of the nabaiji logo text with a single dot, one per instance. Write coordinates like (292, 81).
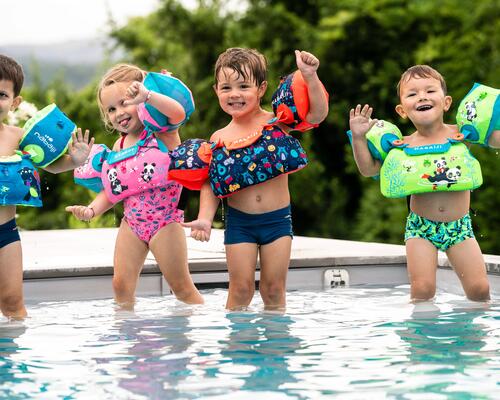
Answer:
(46, 142)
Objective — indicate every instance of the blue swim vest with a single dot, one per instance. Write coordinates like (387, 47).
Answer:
(19, 181)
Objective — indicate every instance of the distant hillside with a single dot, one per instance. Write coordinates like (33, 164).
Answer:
(77, 61)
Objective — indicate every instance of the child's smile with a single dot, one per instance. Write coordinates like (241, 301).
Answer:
(236, 104)
(424, 107)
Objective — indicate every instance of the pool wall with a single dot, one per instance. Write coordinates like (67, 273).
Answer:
(78, 264)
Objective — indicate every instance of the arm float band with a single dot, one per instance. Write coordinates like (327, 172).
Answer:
(169, 86)
(380, 139)
(479, 114)
(290, 102)
(47, 135)
(89, 173)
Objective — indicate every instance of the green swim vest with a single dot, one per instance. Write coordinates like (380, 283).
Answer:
(431, 168)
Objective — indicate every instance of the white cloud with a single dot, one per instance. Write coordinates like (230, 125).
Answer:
(54, 21)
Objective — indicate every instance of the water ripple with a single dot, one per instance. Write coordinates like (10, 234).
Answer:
(351, 343)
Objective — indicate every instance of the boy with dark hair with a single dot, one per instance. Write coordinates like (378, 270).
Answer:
(250, 162)
(20, 185)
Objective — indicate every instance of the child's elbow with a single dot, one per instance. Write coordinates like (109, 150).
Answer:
(370, 171)
(318, 116)
(178, 117)
(494, 141)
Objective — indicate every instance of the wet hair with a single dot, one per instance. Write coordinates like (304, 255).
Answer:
(248, 63)
(421, 71)
(116, 74)
(10, 70)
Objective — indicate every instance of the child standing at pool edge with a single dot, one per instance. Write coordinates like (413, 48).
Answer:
(440, 197)
(21, 185)
(151, 215)
(242, 154)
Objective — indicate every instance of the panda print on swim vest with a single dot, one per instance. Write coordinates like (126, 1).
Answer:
(443, 175)
(116, 185)
(148, 171)
(470, 108)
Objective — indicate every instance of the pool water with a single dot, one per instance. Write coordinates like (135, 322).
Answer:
(348, 343)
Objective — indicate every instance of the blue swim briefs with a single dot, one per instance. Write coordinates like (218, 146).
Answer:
(261, 229)
(8, 233)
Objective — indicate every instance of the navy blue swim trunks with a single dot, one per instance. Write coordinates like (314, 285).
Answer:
(261, 229)
(8, 233)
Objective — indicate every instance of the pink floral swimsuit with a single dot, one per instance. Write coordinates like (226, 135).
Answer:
(148, 211)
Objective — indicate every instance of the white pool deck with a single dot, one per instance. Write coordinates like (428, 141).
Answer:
(78, 263)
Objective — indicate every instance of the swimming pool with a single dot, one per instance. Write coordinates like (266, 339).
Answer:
(351, 343)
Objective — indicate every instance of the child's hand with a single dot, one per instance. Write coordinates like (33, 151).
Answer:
(359, 120)
(79, 148)
(137, 93)
(200, 229)
(83, 213)
(306, 63)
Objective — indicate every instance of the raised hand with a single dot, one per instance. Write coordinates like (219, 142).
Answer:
(136, 93)
(83, 213)
(307, 63)
(360, 121)
(79, 148)
(200, 229)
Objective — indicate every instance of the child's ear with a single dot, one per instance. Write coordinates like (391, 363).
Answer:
(214, 87)
(447, 102)
(16, 102)
(400, 110)
(262, 89)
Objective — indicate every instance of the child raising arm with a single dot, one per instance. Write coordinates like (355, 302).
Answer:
(136, 172)
(436, 169)
(250, 161)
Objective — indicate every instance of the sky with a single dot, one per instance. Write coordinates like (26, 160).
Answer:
(54, 21)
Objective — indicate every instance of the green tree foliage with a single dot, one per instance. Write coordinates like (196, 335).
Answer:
(363, 46)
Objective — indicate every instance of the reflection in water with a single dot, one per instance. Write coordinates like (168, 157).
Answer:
(9, 367)
(257, 350)
(444, 346)
(157, 356)
(162, 361)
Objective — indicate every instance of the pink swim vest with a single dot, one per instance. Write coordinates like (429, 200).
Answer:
(128, 171)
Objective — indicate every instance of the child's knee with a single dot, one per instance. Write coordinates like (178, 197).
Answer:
(479, 291)
(272, 292)
(122, 286)
(243, 291)
(423, 290)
